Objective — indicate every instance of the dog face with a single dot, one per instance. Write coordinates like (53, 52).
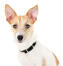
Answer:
(22, 26)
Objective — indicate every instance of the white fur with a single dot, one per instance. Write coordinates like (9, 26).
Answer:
(36, 56)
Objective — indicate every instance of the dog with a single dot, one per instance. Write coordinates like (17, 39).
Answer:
(31, 51)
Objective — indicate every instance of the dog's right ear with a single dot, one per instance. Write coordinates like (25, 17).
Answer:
(32, 13)
(9, 13)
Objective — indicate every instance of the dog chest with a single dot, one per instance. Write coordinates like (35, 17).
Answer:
(33, 58)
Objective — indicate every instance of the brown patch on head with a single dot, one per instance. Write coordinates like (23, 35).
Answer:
(44, 62)
(57, 61)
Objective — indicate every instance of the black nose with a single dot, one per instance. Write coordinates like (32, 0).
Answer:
(20, 37)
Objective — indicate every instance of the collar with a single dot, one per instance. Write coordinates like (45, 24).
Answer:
(29, 49)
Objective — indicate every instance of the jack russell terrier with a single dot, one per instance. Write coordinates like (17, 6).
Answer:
(31, 51)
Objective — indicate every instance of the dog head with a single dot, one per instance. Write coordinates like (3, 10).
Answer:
(22, 26)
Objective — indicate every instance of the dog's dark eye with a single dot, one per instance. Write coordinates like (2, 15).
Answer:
(15, 26)
(27, 26)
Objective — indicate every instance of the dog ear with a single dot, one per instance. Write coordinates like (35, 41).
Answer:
(9, 13)
(32, 13)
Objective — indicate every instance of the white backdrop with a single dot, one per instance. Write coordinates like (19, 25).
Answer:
(48, 27)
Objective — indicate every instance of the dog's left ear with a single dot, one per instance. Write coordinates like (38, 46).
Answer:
(32, 13)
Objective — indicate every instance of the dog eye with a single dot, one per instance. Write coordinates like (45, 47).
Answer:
(15, 26)
(27, 26)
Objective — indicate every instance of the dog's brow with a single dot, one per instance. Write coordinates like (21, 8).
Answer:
(21, 20)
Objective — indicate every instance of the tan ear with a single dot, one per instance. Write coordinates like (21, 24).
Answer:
(9, 13)
(32, 13)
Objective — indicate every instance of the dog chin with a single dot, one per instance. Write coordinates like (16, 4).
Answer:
(19, 41)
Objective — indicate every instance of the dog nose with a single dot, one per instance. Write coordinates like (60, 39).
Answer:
(20, 37)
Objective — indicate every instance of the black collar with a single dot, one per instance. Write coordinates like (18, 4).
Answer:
(29, 49)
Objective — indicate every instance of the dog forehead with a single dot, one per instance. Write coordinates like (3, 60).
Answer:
(19, 17)
(23, 19)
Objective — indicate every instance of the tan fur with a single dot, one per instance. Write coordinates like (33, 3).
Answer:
(57, 61)
(44, 62)
(19, 18)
